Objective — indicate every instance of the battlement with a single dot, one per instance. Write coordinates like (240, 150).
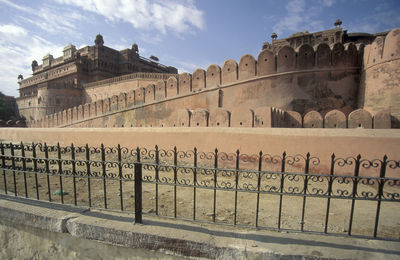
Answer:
(137, 75)
(286, 63)
(322, 78)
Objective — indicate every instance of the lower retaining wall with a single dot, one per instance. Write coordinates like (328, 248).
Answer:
(40, 230)
(370, 143)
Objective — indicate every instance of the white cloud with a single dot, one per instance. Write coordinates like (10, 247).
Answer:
(163, 15)
(49, 18)
(17, 50)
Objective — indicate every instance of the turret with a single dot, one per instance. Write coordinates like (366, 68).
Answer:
(99, 40)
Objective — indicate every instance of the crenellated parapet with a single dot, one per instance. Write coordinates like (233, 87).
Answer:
(380, 80)
(217, 81)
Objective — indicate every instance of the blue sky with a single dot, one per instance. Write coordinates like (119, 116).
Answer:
(186, 34)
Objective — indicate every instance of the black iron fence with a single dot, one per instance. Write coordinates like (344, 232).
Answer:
(342, 196)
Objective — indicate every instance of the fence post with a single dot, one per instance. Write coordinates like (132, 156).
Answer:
(138, 188)
(3, 165)
(380, 192)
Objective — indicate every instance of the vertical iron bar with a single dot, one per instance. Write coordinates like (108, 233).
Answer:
(258, 185)
(138, 188)
(380, 193)
(215, 183)
(281, 188)
(60, 172)
(354, 193)
(46, 155)
(236, 184)
(157, 177)
(328, 203)
(35, 169)
(103, 163)
(194, 181)
(24, 168)
(73, 172)
(175, 177)
(305, 190)
(120, 176)
(3, 163)
(88, 173)
(13, 168)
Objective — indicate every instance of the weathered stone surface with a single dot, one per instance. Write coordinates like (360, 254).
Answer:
(199, 118)
(263, 117)
(313, 119)
(213, 75)
(293, 119)
(219, 118)
(382, 120)
(335, 119)
(360, 118)
(240, 118)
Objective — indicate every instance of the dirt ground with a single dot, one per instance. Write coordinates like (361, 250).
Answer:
(201, 200)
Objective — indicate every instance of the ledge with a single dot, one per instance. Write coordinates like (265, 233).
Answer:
(185, 238)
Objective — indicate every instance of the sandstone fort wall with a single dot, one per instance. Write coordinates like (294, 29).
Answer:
(380, 77)
(322, 78)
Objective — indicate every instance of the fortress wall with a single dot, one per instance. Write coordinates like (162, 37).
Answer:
(185, 84)
(360, 118)
(229, 72)
(370, 143)
(335, 119)
(99, 107)
(380, 76)
(323, 55)
(242, 117)
(160, 90)
(305, 57)
(266, 64)
(352, 59)
(198, 80)
(130, 98)
(220, 117)
(149, 94)
(140, 96)
(241, 96)
(213, 76)
(121, 101)
(86, 111)
(93, 109)
(94, 93)
(304, 87)
(286, 59)
(172, 87)
(339, 58)
(247, 67)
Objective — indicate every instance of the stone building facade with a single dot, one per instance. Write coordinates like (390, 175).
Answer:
(57, 83)
(330, 37)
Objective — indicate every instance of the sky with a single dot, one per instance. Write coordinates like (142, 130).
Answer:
(186, 34)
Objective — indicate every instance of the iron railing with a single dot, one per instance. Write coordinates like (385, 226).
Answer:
(342, 196)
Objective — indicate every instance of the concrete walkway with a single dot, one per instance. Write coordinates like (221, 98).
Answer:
(177, 239)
